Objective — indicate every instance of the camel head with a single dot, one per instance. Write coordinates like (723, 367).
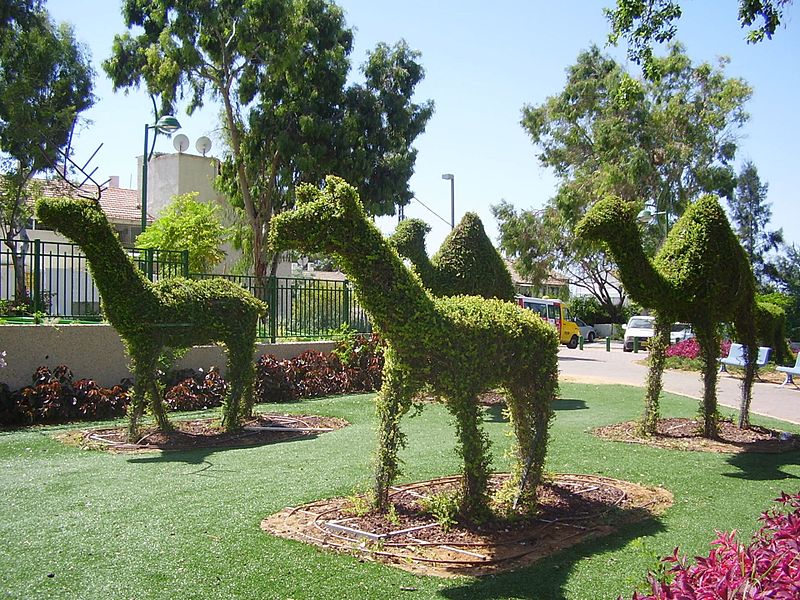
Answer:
(610, 219)
(79, 219)
(323, 220)
(409, 238)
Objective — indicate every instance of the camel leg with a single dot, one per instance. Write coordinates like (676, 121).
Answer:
(240, 375)
(655, 374)
(709, 352)
(746, 332)
(248, 367)
(157, 405)
(393, 401)
(530, 409)
(473, 448)
(137, 403)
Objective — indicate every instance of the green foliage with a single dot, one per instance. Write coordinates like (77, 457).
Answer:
(751, 213)
(45, 83)
(437, 343)
(700, 275)
(187, 224)
(643, 23)
(288, 113)
(467, 262)
(771, 331)
(170, 314)
(663, 143)
(443, 507)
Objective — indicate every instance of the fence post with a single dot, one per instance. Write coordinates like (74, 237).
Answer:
(36, 295)
(185, 263)
(347, 311)
(148, 263)
(272, 294)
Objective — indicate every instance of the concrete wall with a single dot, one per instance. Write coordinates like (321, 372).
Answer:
(96, 352)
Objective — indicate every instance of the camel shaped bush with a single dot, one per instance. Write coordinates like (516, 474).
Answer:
(700, 274)
(458, 347)
(173, 314)
(466, 263)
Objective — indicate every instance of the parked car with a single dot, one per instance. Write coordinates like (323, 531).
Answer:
(588, 332)
(639, 328)
(557, 314)
(679, 332)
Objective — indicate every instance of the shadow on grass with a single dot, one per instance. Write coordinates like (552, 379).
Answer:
(756, 466)
(199, 455)
(545, 579)
(494, 412)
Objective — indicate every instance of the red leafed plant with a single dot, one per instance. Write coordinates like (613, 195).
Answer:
(769, 567)
(691, 349)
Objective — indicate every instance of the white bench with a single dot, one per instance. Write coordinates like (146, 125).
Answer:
(795, 370)
(735, 357)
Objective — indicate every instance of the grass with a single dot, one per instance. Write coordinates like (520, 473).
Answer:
(84, 524)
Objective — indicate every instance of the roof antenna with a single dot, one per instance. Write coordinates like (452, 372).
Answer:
(63, 164)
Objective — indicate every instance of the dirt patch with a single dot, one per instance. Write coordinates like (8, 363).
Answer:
(572, 508)
(686, 434)
(206, 433)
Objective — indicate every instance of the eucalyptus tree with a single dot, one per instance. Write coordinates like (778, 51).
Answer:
(45, 83)
(642, 23)
(279, 69)
(751, 214)
(663, 143)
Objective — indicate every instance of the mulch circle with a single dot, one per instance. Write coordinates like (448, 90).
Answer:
(572, 508)
(686, 434)
(207, 433)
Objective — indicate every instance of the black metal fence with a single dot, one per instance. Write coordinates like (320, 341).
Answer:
(59, 285)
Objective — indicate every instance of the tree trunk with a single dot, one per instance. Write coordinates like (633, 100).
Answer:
(18, 260)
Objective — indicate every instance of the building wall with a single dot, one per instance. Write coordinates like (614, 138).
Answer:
(96, 352)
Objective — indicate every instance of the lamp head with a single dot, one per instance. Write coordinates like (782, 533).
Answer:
(167, 124)
(448, 176)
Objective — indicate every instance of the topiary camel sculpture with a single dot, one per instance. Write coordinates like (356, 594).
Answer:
(458, 347)
(701, 275)
(174, 313)
(466, 263)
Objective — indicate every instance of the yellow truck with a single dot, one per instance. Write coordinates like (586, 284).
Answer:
(557, 314)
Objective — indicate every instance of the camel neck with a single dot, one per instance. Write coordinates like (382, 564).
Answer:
(387, 290)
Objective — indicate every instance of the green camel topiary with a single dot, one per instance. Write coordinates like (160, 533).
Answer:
(172, 314)
(458, 347)
(701, 275)
(467, 262)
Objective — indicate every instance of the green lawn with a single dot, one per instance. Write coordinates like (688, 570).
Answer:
(90, 525)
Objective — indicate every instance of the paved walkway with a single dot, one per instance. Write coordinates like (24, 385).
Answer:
(595, 365)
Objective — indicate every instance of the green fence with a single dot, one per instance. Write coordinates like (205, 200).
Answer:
(59, 285)
(303, 308)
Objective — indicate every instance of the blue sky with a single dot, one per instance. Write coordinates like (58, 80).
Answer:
(483, 62)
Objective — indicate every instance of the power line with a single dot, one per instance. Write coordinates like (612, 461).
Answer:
(432, 211)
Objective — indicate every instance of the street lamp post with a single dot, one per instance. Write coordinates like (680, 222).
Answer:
(452, 179)
(166, 124)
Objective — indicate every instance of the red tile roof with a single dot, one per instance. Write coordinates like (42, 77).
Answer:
(119, 204)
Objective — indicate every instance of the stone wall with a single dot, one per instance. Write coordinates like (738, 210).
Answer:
(96, 352)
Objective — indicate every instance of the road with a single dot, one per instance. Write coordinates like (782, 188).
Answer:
(595, 365)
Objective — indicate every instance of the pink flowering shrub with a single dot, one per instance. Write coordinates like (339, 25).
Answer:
(691, 349)
(769, 567)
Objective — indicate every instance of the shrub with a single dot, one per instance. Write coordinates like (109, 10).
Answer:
(196, 390)
(690, 349)
(355, 365)
(768, 567)
(54, 398)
